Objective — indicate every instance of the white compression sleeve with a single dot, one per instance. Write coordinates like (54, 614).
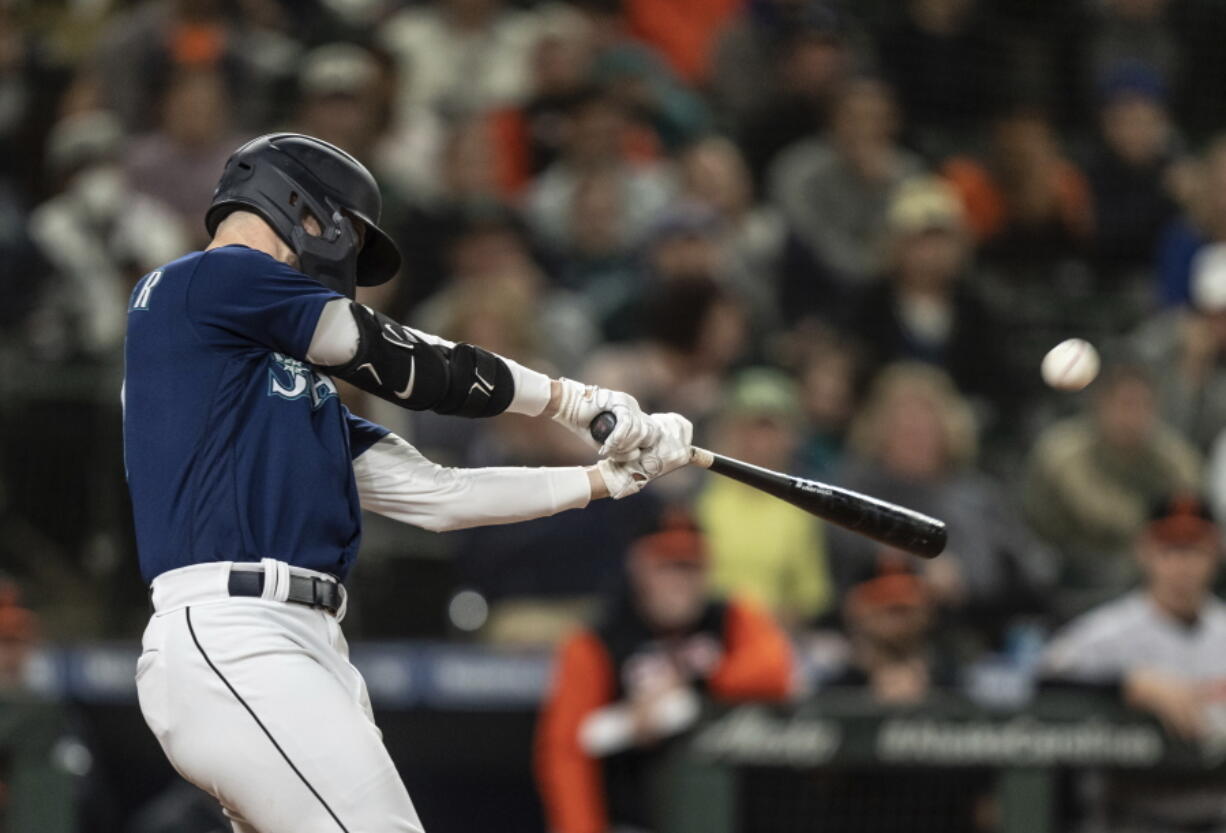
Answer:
(335, 342)
(396, 480)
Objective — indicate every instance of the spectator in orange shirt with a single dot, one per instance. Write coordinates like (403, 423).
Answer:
(624, 688)
(1027, 204)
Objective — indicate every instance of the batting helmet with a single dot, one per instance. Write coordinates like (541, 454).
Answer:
(284, 176)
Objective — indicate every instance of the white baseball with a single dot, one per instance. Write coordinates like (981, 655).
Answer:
(1071, 365)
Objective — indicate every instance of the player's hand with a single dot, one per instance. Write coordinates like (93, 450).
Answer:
(670, 452)
(580, 404)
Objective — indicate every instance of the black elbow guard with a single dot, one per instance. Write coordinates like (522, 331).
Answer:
(393, 363)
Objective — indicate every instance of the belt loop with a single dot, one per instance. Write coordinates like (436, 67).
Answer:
(344, 594)
(223, 577)
(276, 580)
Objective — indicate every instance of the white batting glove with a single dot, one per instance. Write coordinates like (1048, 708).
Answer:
(581, 403)
(669, 453)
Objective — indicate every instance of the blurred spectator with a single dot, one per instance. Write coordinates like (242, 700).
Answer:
(177, 163)
(1185, 349)
(1132, 32)
(18, 636)
(1129, 173)
(762, 547)
(253, 44)
(939, 58)
(684, 31)
(889, 616)
(929, 309)
(1160, 648)
(1091, 477)
(1203, 193)
(913, 443)
(99, 235)
(695, 331)
(829, 374)
(638, 79)
(1028, 205)
(622, 689)
(773, 72)
(496, 297)
(834, 191)
(461, 56)
(598, 125)
(713, 172)
(345, 100)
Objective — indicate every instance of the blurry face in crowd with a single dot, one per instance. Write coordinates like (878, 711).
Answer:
(196, 109)
(471, 11)
(469, 167)
(827, 389)
(670, 594)
(1137, 129)
(1125, 413)
(715, 174)
(559, 64)
(864, 115)
(812, 66)
(596, 215)
(1179, 577)
(721, 338)
(893, 628)
(1022, 142)
(685, 255)
(349, 121)
(762, 439)
(596, 132)
(913, 436)
(1212, 185)
(930, 260)
(489, 253)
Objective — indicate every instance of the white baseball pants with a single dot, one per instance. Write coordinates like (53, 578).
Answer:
(254, 701)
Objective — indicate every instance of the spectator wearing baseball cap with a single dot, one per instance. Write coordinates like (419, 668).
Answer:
(928, 309)
(762, 547)
(623, 688)
(1160, 648)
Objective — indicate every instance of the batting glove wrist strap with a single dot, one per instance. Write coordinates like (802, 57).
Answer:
(579, 405)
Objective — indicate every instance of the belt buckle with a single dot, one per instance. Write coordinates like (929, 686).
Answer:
(315, 602)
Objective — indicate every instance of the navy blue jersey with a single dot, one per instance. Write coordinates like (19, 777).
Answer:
(235, 449)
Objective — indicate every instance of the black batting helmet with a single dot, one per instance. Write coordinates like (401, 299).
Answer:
(284, 176)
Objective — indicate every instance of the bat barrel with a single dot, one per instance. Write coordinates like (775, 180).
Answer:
(892, 525)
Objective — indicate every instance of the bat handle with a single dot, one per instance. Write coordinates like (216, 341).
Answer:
(604, 422)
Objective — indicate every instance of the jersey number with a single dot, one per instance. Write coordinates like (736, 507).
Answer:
(146, 289)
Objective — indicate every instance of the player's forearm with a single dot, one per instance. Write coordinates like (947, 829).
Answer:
(394, 479)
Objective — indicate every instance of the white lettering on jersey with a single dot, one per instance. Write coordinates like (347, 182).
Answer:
(146, 289)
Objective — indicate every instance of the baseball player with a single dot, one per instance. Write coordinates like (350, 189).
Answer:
(248, 476)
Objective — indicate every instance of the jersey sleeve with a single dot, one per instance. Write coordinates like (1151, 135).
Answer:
(240, 297)
(362, 434)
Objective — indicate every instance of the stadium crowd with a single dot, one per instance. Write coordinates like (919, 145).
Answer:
(839, 236)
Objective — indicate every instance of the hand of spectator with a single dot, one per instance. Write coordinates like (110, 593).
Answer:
(1198, 347)
(1179, 706)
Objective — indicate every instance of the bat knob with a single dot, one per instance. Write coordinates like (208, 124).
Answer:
(602, 426)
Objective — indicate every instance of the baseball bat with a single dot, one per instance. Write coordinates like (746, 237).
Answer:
(887, 523)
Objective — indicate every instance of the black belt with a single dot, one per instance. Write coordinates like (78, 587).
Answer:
(311, 591)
